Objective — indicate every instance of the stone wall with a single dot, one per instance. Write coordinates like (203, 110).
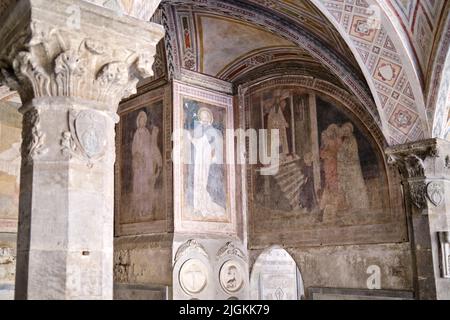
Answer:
(143, 267)
(352, 267)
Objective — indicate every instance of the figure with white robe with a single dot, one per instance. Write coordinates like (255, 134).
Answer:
(207, 145)
(277, 121)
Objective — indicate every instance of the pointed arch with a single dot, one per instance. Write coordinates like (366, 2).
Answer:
(275, 275)
(439, 87)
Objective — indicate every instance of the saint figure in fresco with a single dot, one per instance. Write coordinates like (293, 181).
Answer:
(277, 121)
(207, 144)
(147, 166)
(349, 172)
(331, 142)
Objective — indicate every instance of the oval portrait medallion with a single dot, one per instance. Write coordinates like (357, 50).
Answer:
(231, 276)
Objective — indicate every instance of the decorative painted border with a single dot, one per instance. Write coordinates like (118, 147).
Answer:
(257, 58)
(206, 81)
(182, 90)
(163, 226)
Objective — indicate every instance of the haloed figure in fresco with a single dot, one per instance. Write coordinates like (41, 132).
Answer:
(147, 166)
(208, 150)
(277, 121)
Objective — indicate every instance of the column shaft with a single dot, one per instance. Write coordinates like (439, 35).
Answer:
(71, 62)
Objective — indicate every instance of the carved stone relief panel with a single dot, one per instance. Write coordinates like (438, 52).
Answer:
(86, 139)
(193, 276)
(210, 268)
(192, 271)
(232, 271)
(435, 193)
(231, 276)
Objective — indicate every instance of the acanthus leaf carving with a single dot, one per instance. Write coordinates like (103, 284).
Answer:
(418, 191)
(415, 162)
(33, 137)
(115, 77)
(409, 166)
(69, 68)
(144, 64)
(28, 70)
(412, 159)
(40, 61)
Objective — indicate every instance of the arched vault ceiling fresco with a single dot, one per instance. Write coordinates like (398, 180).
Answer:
(240, 67)
(185, 39)
(419, 21)
(389, 69)
(397, 58)
(236, 40)
(391, 77)
(439, 84)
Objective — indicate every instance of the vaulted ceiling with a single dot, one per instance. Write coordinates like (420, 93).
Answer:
(391, 54)
(420, 21)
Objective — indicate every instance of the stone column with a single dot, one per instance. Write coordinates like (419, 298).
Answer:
(425, 170)
(71, 62)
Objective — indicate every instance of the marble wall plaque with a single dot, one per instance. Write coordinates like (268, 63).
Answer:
(193, 276)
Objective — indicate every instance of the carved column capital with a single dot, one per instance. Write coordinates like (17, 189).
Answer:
(423, 168)
(412, 160)
(75, 49)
